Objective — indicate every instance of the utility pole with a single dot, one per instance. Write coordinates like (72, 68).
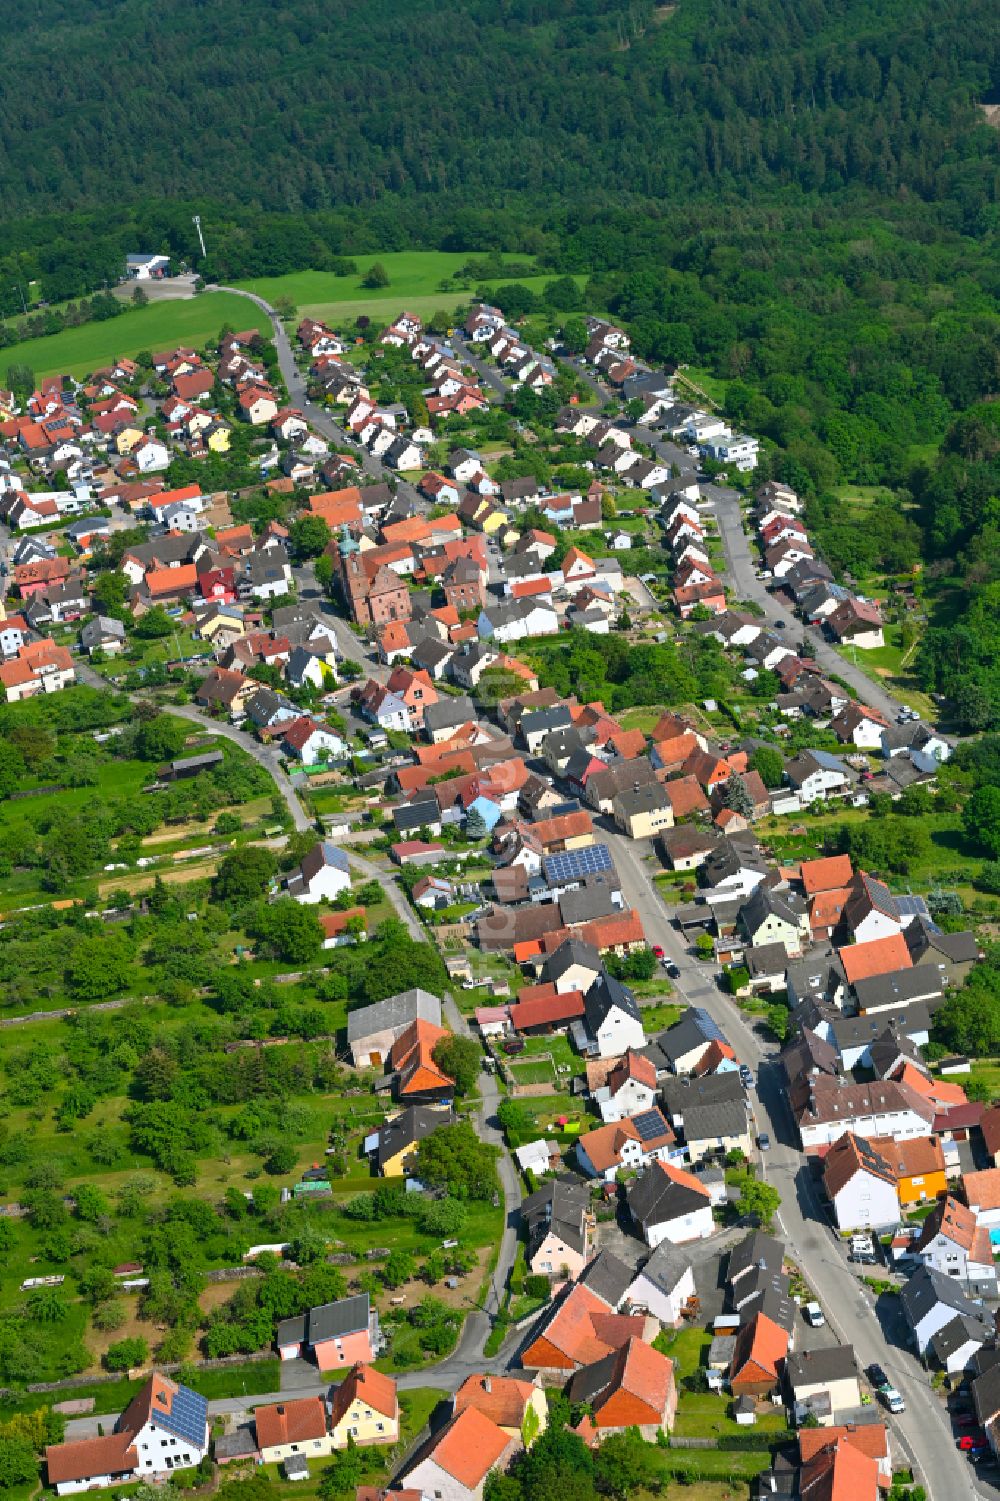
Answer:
(20, 290)
(201, 237)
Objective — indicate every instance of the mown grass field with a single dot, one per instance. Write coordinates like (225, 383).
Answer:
(413, 277)
(195, 320)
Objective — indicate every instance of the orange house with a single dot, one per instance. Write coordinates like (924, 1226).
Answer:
(761, 1347)
(918, 1164)
(412, 1058)
(633, 1389)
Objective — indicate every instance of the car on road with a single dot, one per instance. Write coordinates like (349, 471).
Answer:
(876, 1375)
(764, 1142)
(780, 625)
(746, 1076)
(973, 1443)
(657, 951)
(671, 969)
(814, 1315)
(966, 1419)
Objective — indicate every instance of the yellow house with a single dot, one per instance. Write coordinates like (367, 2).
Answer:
(218, 438)
(918, 1164)
(128, 438)
(364, 1407)
(492, 522)
(288, 1428)
(400, 1135)
(221, 628)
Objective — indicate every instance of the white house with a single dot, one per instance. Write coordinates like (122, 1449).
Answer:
(515, 620)
(324, 872)
(736, 448)
(830, 1374)
(930, 1300)
(311, 742)
(953, 1244)
(630, 1088)
(164, 1428)
(150, 455)
(663, 1286)
(611, 1023)
(825, 1107)
(860, 1185)
(816, 775)
(668, 1203)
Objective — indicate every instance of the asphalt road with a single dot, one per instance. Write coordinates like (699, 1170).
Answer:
(488, 374)
(741, 575)
(876, 1335)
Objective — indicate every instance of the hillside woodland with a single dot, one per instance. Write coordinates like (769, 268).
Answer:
(799, 197)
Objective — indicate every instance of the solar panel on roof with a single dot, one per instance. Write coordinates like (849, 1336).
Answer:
(708, 1027)
(187, 1416)
(649, 1125)
(911, 906)
(571, 864)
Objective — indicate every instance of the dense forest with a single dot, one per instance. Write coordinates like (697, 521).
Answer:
(800, 197)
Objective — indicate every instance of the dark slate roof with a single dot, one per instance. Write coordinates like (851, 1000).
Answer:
(603, 997)
(655, 1199)
(704, 1122)
(926, 1289)
(408, 1128)
(756, 1249)
(693, 1028)
(666, 1266)
(962, 1329)
(808, 1367)
(608, 1277)
(560, 1205)
(448, 712)
(573, 951)
(714, 1090)
(346, 1316)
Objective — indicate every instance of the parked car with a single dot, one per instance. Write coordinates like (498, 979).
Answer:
(814, 1315)
(764, 1142)
(657, 950)
(973, 1443)
(876, 1375)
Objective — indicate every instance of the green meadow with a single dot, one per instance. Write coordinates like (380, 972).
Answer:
(77, 351)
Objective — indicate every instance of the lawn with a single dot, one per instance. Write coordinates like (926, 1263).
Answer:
(891, 666)
(657, 1018)
(949, 852)
(538, 1072)
(986, 1072)
(195, 320)
(413, 277)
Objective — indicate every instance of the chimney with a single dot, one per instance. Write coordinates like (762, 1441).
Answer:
(488, 1384)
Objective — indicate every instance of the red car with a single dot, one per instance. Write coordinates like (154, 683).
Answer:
(657, 951)
(973, 1443)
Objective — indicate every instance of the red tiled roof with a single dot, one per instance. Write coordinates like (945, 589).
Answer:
(826, 874)
(502, 1399)
(290, 1422)
(87, 1458)
(880, 956)
(469, 1447)
(365, 1384)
